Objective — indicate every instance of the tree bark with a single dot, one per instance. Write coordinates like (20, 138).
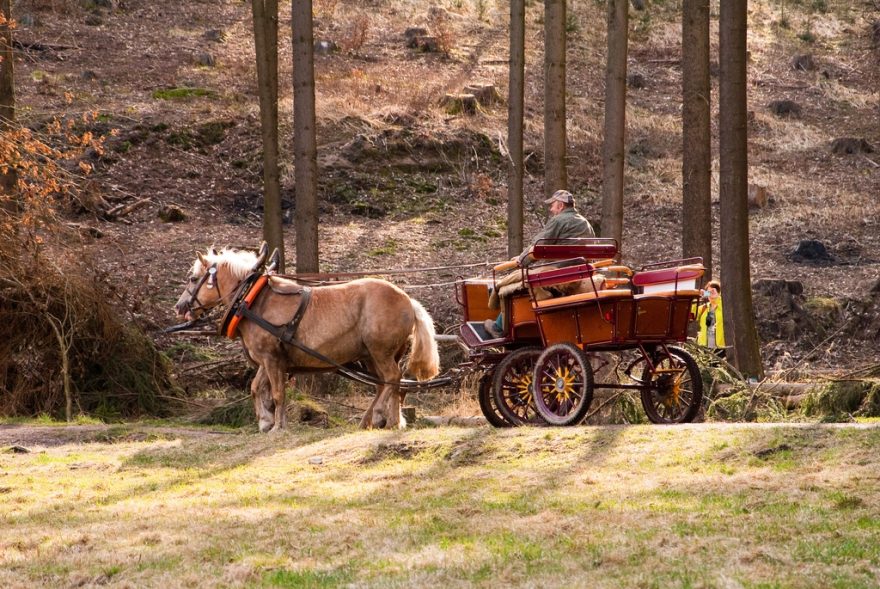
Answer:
(555, 175)
(265, 14)
(515, 114)
(304, 142)
(739, 319)
(696, 161)
(7, 93)
(615, 121)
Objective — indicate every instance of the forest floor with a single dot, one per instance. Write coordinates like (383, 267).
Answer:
(405, 184)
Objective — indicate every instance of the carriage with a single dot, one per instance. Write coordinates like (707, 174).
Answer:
(569, 316)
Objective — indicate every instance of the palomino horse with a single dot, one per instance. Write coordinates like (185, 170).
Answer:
(366, 320)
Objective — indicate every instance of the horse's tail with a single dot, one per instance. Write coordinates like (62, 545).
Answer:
(424, 359)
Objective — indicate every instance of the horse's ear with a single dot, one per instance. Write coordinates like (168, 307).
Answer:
(212, 251)
(203, 259)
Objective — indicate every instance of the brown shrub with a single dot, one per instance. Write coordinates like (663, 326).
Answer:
(355, 34)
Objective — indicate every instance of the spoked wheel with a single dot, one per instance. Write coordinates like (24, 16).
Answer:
(564, 384)
(673, 390)
(512, 387)
(487, 403)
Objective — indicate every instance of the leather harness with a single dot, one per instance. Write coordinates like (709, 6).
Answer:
(247, 293)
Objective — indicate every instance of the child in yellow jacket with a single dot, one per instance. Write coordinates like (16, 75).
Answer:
(711, 318)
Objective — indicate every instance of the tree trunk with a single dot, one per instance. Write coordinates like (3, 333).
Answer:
(555, 176)
(739, 319)
(696, 161)
(7, 93)
(266, 45)
(304, 143)
(615, 121)
(515, 113)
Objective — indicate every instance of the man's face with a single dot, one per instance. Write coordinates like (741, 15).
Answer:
(556, 207)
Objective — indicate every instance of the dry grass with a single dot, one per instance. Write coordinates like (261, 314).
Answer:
(612, 507)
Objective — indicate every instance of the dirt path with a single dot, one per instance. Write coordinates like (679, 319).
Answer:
(31, 436)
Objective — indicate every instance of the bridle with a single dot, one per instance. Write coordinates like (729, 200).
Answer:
(210, 276)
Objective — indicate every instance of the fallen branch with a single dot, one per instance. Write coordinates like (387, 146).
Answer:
(123, 210)
(37, 46)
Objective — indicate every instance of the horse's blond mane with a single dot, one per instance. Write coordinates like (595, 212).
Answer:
(240, 263)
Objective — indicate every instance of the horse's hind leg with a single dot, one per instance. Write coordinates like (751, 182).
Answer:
(367, 419)
(263, 405)
(386, 406)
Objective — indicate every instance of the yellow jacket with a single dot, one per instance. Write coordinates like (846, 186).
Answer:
(703, 335)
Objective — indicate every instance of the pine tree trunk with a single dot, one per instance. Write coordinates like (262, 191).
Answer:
(739, 319)
(266, 45)
(555, 176)
(615, 121)
(7, 93)
(304, 142)
(515, 113)
(696, 217)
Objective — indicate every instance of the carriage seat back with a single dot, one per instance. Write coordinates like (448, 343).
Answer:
(588, 248)
(668, 280)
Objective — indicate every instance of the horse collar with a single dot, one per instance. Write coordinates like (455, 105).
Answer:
(247, 294)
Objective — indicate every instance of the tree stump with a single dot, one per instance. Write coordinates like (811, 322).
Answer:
(803, 62)
(850, 145)
(424, 43)
(486, 94)
(460, 104)
(411, 33)
(785, 109)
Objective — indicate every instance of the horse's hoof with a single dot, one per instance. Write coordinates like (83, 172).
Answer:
(275, 429)
(265, 426)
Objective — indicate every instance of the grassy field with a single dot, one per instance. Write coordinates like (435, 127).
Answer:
(637, 506)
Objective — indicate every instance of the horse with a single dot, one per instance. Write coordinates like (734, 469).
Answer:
(367, 320)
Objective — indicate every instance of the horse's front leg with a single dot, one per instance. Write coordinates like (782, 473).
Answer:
(263, 407)
(275, 373)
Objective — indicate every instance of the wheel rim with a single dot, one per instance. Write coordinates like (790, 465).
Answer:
(671, 389)
(487, 404)
(564, 385)
(515, 391)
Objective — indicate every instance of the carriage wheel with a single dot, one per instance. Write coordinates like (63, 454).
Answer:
(564, 381)
(512, 387)
(673, 390)
(487, 403)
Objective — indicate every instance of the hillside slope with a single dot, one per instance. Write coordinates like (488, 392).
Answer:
(405, 184)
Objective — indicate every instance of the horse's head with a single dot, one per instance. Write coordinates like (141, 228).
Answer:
(215, 276)
(200, 293)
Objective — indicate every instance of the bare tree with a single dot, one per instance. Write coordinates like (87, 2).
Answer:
(696, 161)
(555, 175)
(304, 142)
(739, 319)
(515, 113)
(7, 86)
(266, 48)
(615, 121)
